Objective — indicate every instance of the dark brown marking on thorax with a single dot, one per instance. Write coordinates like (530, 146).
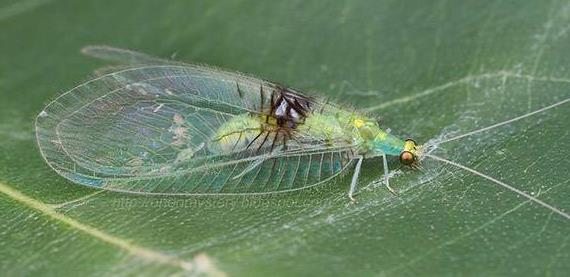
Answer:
(285, 111)
(288, 107)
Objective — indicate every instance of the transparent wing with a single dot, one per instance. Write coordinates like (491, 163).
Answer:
(124, 56)
(186, 130)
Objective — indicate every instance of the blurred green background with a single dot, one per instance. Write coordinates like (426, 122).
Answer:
(429, 69)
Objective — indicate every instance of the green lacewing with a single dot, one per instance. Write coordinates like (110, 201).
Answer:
(159, 127)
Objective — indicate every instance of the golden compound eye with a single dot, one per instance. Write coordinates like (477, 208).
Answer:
(407, 158)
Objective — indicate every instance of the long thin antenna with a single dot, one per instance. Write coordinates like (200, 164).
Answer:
(519, 192)
(506, 122)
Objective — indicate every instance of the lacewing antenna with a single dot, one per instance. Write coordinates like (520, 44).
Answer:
(502, 184)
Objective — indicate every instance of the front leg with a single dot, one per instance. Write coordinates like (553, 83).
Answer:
(387, 175)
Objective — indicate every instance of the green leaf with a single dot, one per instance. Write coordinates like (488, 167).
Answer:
(432, 70)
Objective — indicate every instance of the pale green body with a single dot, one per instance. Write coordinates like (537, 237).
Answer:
(333, 126)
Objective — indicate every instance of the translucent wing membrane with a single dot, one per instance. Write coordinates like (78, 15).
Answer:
(124, 56)
(172, 129)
